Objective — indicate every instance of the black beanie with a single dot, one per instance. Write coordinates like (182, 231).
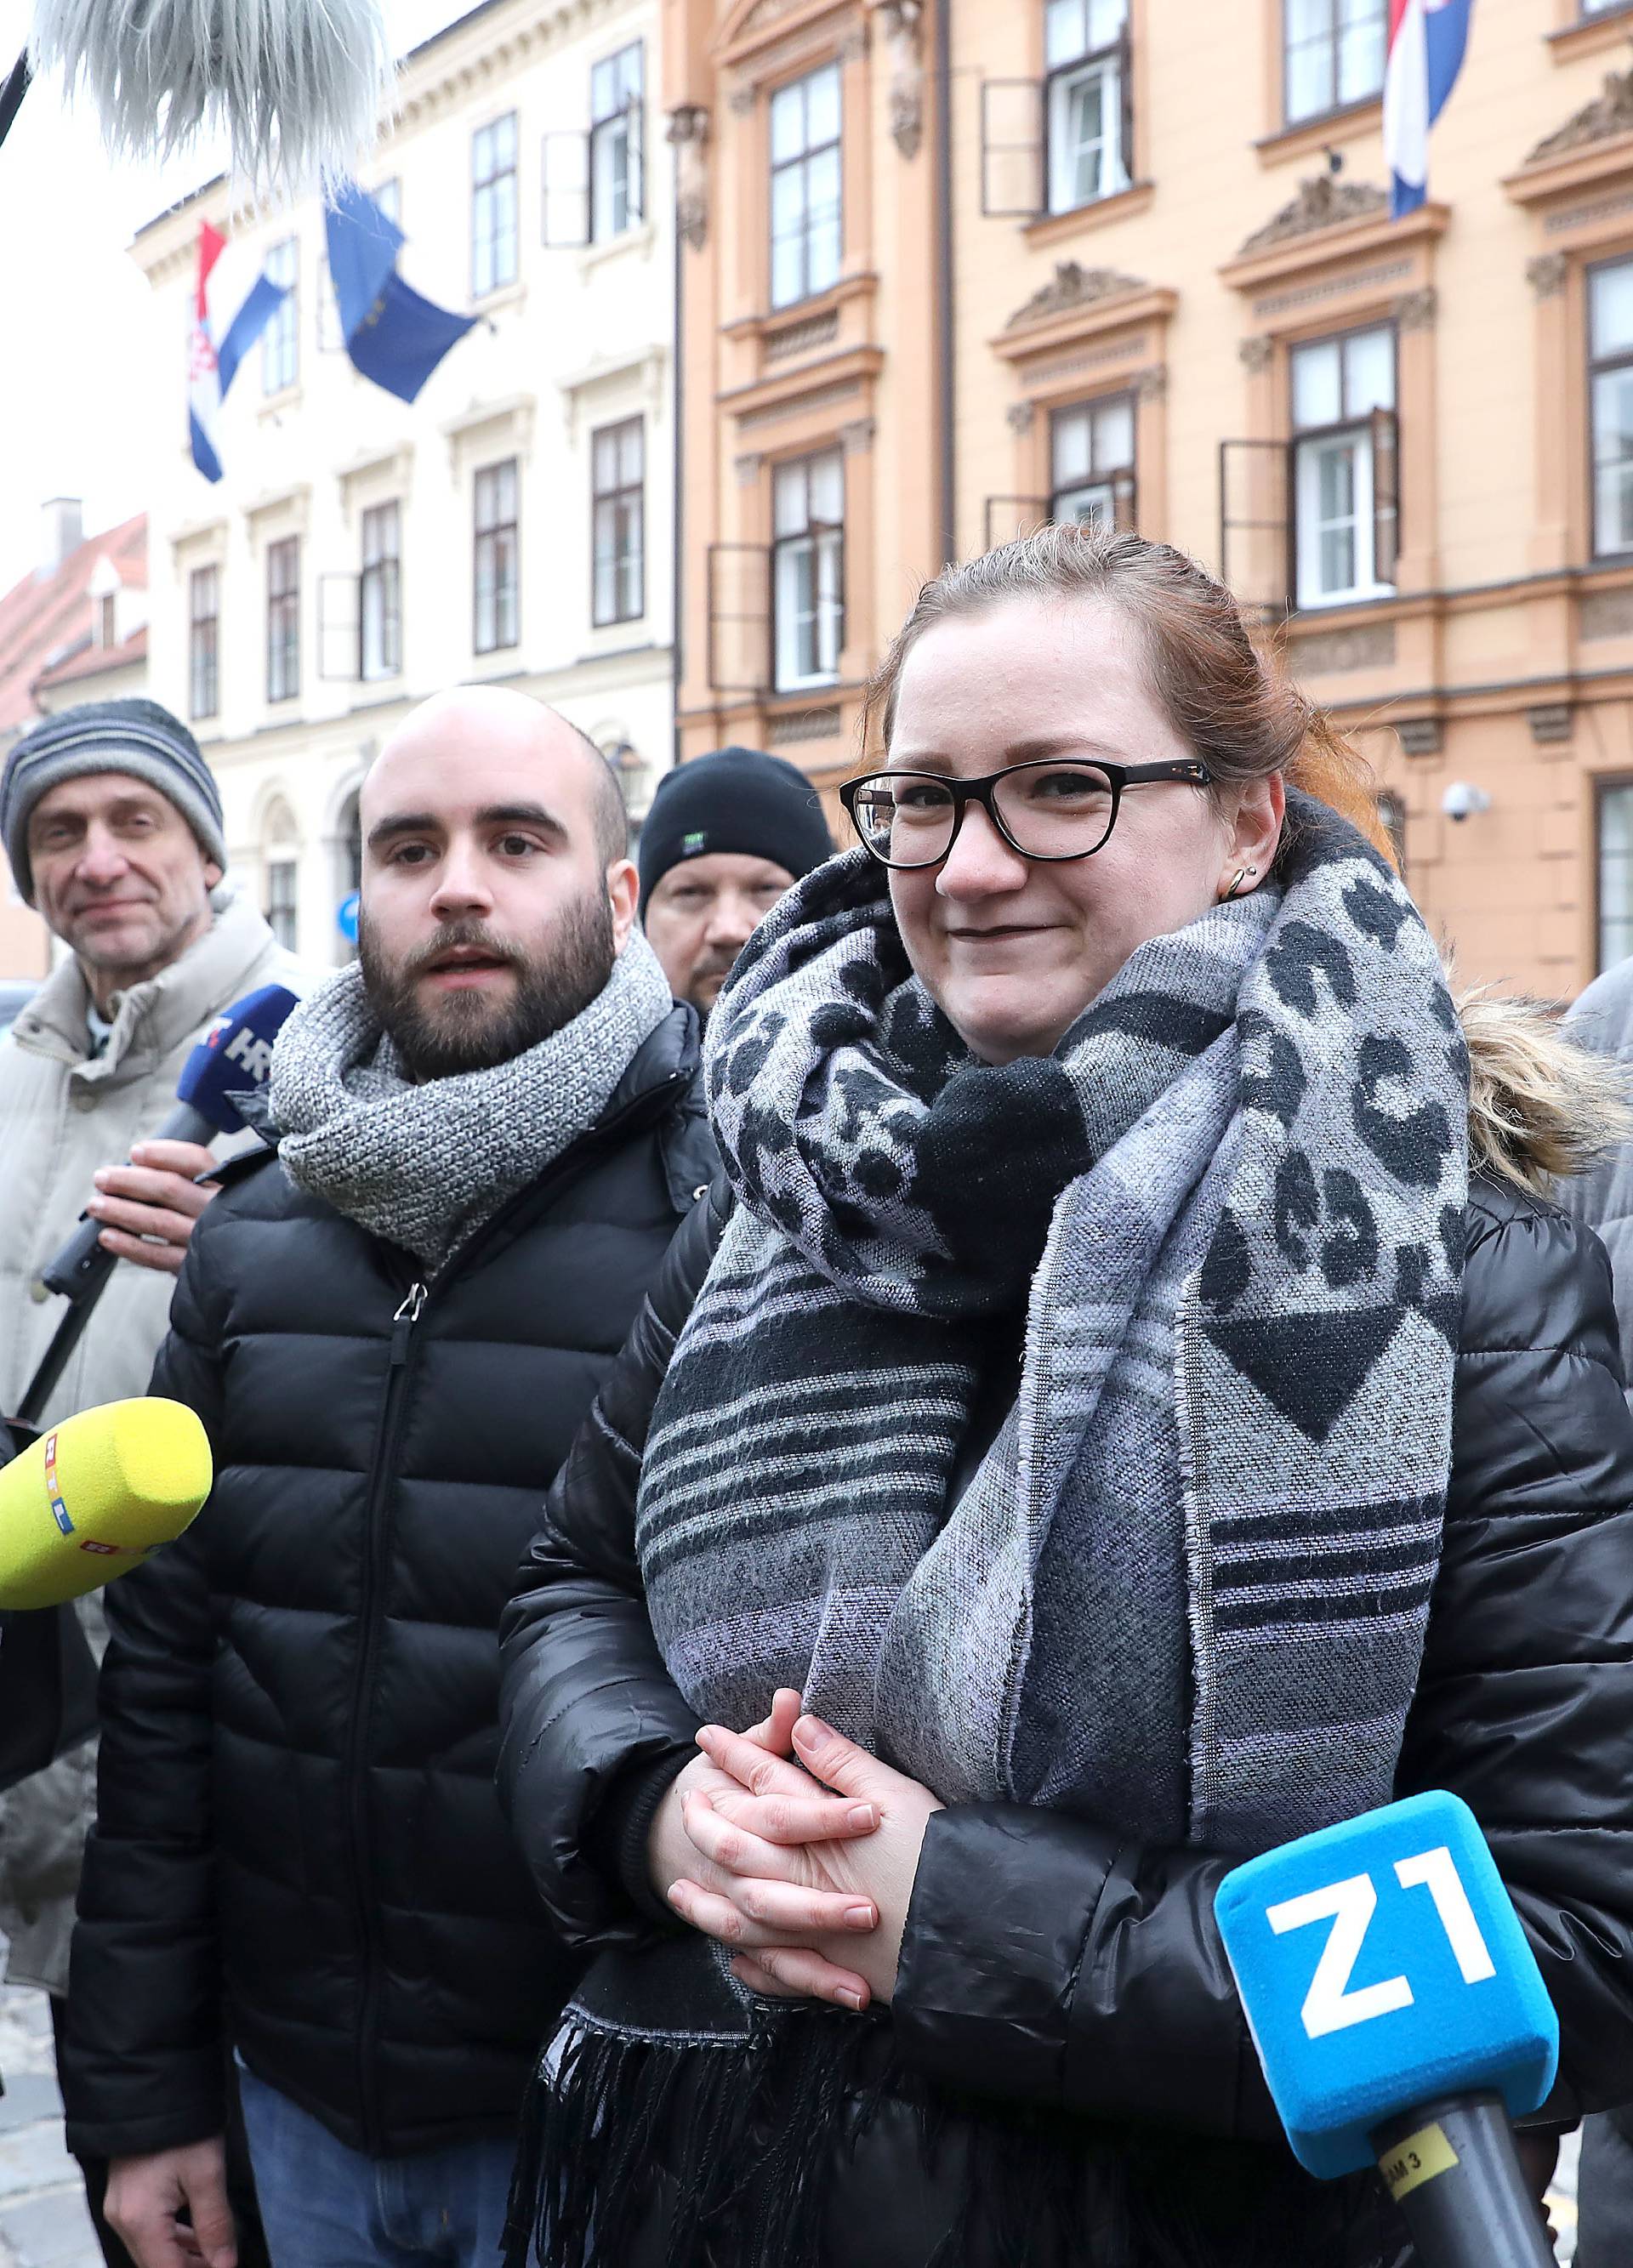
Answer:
(736, 799)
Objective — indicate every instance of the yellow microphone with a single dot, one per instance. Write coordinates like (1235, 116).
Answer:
(92, 1497)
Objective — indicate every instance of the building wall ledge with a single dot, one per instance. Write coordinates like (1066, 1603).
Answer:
(1105, 212)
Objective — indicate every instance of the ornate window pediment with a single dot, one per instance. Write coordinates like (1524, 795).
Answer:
(1070, 287)
(1323, 201)
(1609, 114)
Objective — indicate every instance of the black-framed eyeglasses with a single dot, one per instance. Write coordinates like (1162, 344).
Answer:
(1052, 808)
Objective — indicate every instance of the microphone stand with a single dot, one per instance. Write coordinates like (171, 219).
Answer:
(1456, 2179)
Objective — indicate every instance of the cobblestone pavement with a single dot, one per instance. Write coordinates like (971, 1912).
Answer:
(43, 2223)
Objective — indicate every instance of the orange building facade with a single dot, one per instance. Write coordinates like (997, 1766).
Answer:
(949, 267)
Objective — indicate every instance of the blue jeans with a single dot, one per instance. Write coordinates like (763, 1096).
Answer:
(326, 2206)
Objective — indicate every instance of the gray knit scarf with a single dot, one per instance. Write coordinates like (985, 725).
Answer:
(1185, 1591)
(425, 1166)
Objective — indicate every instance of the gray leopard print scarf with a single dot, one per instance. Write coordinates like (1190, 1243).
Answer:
(1185, 1591)
(425, 1166)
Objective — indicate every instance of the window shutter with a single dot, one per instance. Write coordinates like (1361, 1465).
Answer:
(1254, 523)
(1125, 511)
(565, 175)
(739, 586)
(1124, 102)
(638, 160)
(1385, 495)
(1012, 148)
(340, 617)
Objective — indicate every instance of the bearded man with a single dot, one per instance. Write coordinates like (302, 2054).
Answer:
(486, 1132)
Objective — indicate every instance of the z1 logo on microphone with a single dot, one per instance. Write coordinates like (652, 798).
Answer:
(1381, 1955)
(1330, 2005)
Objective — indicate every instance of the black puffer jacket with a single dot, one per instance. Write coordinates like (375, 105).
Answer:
(1047, 1962)
(299, 1700)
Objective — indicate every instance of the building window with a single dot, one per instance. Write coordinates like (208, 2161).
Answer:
(284, 619)
(1084, 96)
(1614, 814)
(493, 205)
(1343, 467)
(495, 563)
(1610, 381)
(1333, 53)
(1091, 449)
(805, 200)
(282, 900)
(618, 540)
(614, 144)
(204, 641)
(280, 357)
(106, 614)
(808, 570)
(380, 613)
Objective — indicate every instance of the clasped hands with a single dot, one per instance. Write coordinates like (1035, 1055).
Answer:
(797, 1849)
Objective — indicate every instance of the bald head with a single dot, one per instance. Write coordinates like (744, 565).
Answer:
(515, 728)
(497, 889)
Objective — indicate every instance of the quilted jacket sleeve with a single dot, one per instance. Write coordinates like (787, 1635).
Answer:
(1071, 1968)
(594, 1728)
(146, 2068)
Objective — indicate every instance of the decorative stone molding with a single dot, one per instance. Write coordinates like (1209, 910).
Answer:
(820, 397)
(1546, 274)
(1560, 223)
(1416, 311)
(1331, 287)
(903, 24)
(1606, 613)
(1255, 354)
(687, 133)
(1368, 646)
(1549, 723)
(747, 468)
(1151, 383)
(798, 338)
(854, 45)
(741, 99)
(1419, 736)
(805, 725)
(1072, 285)
(1325, 200)
(1610, 112)
(1019, 417)
(858, 436)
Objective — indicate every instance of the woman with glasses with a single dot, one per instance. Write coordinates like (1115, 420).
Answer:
(1130, 1403)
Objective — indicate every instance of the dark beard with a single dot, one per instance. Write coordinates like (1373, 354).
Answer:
(468, 1032)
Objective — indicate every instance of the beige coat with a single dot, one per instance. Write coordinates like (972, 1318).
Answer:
(63, 1114)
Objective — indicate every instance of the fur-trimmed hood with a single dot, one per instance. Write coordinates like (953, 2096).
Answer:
(1540, 1107)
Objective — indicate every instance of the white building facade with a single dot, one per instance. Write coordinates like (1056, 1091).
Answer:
(514, 526)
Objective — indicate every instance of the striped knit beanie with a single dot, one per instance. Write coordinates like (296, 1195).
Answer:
(137, 737)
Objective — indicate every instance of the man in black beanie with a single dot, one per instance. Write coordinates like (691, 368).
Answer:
(726, 836)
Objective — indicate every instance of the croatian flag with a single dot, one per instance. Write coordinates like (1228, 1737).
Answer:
(1426, 42)
(211, 369)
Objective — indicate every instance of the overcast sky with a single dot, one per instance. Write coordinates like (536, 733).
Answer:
(90, 383)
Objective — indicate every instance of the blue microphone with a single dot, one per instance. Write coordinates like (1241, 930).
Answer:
(234, 1055)
(1401, 2019)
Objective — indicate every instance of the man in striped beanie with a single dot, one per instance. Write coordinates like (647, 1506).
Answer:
(112, 821)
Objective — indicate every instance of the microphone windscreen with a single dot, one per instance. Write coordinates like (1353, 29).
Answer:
(1381, 1964)
(299, 84)
(235, 1054)
(91, 1498)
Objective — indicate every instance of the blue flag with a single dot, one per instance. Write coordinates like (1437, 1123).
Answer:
(392, 334)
